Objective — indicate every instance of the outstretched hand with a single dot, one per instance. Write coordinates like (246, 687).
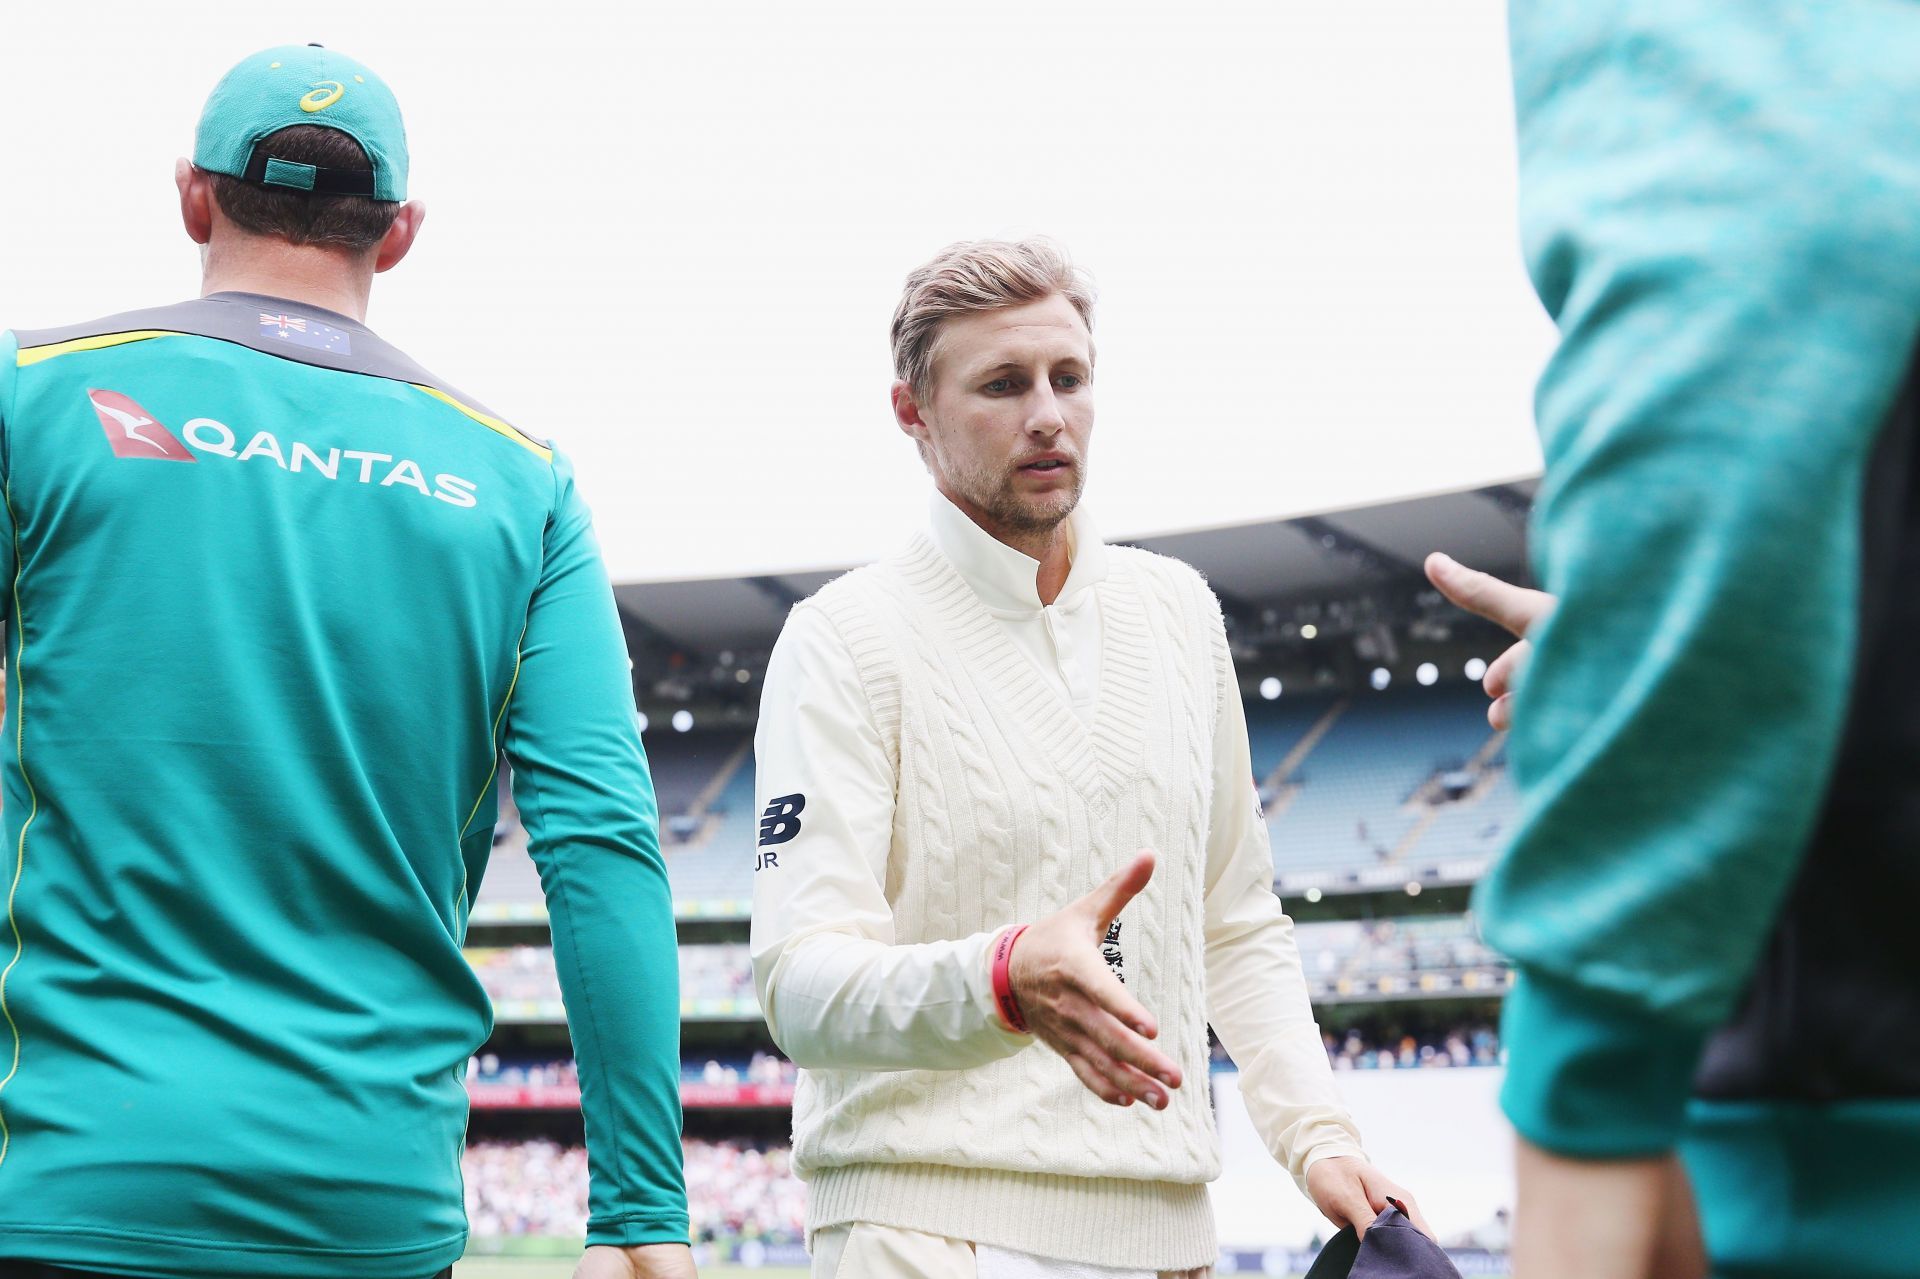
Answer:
(1515, 608)
(1072, 1002)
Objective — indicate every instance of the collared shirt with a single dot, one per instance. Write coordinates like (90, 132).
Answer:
(1062, 639)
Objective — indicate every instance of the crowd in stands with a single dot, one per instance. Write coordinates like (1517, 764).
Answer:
(1384, 1047)
(487, 1068)
(1463, 1046)
(760, 1068)
(717, 978)
(737, 1191)
(718, 975)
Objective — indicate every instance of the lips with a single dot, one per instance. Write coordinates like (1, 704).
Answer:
(1046, 464)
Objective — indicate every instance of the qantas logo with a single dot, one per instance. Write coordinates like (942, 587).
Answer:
(134, 432)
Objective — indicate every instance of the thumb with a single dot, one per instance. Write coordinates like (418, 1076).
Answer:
(1513, 607)
(1108, 900)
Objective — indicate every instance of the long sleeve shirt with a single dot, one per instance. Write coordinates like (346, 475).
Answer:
(277, 600)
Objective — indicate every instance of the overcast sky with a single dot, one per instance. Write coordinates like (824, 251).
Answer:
(671, 237)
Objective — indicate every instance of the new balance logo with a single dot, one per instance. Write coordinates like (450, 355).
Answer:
(133, 432)
(780, 823)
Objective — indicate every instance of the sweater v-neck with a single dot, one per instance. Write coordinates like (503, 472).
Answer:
(1095, 757)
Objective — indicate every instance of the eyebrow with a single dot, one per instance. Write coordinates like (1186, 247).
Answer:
(1017, 366)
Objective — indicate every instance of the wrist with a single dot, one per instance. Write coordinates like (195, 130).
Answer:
(1005, 1002)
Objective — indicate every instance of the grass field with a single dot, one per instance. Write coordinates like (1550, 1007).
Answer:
(561, 1268)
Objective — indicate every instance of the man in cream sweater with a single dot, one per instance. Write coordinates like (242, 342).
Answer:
(1004, 1073)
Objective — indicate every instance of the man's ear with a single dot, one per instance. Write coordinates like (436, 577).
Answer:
(400, 236)
(196, 200)
(906, 412)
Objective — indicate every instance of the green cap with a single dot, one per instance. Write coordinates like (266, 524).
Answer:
(303, 84)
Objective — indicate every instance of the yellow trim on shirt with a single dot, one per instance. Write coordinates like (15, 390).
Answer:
(35, 354)
(540, 451)
(20, 856)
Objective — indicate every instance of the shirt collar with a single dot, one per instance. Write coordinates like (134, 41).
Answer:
(1006, 580)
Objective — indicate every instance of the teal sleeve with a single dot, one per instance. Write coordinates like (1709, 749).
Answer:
(1716, 203)
(581, 782)
(9, 357)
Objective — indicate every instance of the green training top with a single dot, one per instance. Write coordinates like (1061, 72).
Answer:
(1718, 204)
(277, 599)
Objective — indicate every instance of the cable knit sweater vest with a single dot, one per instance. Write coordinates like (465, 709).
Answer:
(1010, 807)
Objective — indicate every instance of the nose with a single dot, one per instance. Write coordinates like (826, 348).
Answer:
(1045, 418)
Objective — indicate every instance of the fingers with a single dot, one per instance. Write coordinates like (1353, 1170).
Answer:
(1412, 1209)
(1096, 1082)
(1108, 995)
(1514, 607)
(1503, 676)
(1350, 1202)
(1500, 713)
(1122, 1045)
(1120, 1066)
(1108, 900)
(1114, 1082)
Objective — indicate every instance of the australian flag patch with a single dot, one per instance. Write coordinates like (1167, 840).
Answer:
(301, 331)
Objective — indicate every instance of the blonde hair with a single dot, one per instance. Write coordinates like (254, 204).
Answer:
(978, 275)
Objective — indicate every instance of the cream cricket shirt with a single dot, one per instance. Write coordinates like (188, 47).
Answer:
(856, 979)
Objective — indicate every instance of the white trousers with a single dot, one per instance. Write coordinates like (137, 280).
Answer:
(866, 1251)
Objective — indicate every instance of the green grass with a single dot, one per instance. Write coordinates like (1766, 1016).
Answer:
(562, 1268)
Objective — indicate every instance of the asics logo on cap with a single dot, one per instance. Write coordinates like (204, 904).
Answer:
(323, 95)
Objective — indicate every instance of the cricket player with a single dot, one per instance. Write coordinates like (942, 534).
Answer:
(1710, 896)
(999, 1000)
(277, 600)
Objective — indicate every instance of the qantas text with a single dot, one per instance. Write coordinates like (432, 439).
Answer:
(205, 435)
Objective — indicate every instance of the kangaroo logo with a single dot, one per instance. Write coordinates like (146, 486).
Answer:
(132, 431)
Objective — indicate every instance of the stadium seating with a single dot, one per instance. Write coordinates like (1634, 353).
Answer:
(1362, 790)
(1428, 956)
(703, 780)
(1358, 805)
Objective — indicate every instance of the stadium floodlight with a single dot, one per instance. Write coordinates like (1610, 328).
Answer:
(1427, 673)
(1476, 669)
(682, 720)
(1381, 678)
(743, 676)
(1309, 631)
(640, 720)
(1270, 688)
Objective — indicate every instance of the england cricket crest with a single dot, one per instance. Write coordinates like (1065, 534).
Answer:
(1110, 951)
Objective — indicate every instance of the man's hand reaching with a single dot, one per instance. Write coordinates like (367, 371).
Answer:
(1515, 608)
(1072, 1002)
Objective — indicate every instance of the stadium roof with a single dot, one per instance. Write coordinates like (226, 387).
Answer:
(1271, 561)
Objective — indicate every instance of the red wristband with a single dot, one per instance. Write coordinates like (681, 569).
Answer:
(1003, 979)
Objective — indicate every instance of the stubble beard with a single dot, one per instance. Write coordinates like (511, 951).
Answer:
(1025, 517)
